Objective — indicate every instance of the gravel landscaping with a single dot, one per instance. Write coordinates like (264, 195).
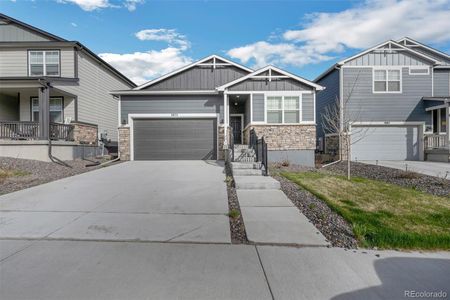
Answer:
(34, 172)
(237, 228)
(328, 222)
(429, 184)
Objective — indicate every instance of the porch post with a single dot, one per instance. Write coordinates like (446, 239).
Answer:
(44, 113)
(225, 120)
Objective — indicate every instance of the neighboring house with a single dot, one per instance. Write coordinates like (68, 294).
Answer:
(51, 88)
(191, 113)
(396, 96)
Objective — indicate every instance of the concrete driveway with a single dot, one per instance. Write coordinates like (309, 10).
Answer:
(164, 201)
(438, 169)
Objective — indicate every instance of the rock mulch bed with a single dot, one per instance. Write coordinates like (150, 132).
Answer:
(429, 184)
(237, 228)
(37, 172)
(329, 223)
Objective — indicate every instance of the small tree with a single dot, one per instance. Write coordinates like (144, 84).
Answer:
(341, 121)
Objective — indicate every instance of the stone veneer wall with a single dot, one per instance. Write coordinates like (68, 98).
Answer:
(85, 133)
(124, 143)
(332, 147)
(285, 137)
(221, 137)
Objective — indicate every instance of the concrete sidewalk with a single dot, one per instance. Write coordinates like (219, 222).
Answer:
(123, 270)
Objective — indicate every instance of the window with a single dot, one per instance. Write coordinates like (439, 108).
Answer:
(283, 109)
(43, 63)
(386, 81)
(443, 120)
(56, 110)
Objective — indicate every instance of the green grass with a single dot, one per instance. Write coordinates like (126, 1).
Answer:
(383, 215)
(4, 173)
(234, 213)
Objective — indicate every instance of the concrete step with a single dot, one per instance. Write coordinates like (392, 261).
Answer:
(245, 165)
(263, 198)
(247, 172)
(256, 182)
(244, 159)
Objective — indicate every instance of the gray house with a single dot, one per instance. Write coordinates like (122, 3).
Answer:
(394, 98)
(54, 90)
(198, 111)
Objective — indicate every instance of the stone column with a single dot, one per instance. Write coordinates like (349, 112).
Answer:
(124, 143)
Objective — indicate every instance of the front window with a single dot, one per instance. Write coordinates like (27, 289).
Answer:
(56, 110)
(283, 109)
(44, 63)
(386, 81)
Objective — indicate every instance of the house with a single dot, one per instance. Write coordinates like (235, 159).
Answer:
(198, 111)
(395, 99)
(53, 91)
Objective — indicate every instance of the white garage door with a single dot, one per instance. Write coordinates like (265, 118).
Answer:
(386, 143)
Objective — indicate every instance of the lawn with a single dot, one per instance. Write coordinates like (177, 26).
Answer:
(382, 215)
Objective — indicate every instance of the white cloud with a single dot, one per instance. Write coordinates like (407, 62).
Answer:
(131, 4)
(323, 35)
(74, 24)
(89, 5)
(143, 66)
(170, 36)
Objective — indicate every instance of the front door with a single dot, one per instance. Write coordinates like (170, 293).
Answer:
(236, 125)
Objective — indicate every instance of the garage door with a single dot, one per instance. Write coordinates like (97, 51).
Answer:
(386, 143)
(170, 139)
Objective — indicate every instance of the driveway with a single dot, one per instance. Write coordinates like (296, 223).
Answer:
(438, 169)
(164, 201)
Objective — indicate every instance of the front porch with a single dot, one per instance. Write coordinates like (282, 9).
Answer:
(437, 135)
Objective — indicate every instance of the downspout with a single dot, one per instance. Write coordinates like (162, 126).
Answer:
(46, 84)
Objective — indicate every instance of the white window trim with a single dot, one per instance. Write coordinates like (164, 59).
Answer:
(419, 68)
(44, 69)
(387, 69)
(300, 109)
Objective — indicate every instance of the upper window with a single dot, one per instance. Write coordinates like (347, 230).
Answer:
(387, 81)
(283, 109)
(43, 63)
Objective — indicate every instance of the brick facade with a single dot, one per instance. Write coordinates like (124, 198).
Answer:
(124, 143)
(285, 137)
(85, 133)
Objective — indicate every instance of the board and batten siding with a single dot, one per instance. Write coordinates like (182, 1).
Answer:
(171, 104)
(326, 98)
(199, 78)
(13, 33)
(402, 58)
(95, 104)
(14, 62)
(441, 82)
(266, 85)
(365, 106)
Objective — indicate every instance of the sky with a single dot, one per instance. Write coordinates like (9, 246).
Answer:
(145, 39)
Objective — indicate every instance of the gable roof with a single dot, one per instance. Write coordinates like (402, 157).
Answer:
(28, 27)
(416, 43)
(389, 43)
(203, 60)
(271, 68)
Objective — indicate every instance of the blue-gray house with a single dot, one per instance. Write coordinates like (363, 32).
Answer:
(393, 98)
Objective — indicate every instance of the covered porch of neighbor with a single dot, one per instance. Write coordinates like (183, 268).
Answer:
(437, 135)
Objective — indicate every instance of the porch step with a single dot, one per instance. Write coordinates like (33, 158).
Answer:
(247, 172)
(256, 183)
(246, 165)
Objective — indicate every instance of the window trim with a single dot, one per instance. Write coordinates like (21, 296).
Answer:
(387, 69)
(419, 68)
(55, 97)
(300, 108)
(44, 62)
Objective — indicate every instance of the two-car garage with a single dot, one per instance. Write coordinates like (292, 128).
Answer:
(174, 138)
(386, 142)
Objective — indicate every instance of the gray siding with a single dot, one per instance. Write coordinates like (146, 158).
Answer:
(274, 85)
(308, 107)
(441, 83)
(199, 78)
(387, 59)
(13, 33)
(438, 57)
(9, 108)
(365, 106)
(169, 104)
(326, 98)
(247, 113)
(258, 107)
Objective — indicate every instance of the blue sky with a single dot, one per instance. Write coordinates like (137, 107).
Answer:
(145, 39)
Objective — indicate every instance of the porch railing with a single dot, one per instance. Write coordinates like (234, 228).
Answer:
(259, 145)
(436, 141)
(23, 130)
